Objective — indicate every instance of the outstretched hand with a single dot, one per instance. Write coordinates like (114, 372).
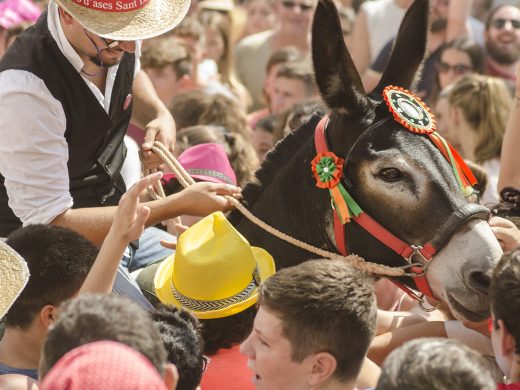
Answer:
(506, 233)
(130, 218)
(203, 198)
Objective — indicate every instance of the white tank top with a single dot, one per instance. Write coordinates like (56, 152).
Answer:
(383, 20)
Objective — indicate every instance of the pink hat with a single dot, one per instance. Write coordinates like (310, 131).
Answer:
(13, 12)
(103, 365)
(206, 162)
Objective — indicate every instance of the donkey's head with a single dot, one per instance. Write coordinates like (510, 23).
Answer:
(400, 178)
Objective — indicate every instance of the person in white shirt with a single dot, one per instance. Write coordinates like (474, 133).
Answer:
(67, 89)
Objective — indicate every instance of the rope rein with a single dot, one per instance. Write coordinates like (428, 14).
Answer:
(185, 179)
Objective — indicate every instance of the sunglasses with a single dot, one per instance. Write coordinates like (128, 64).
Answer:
(289, 4)
(110, 45)
(500, 23)
(205, 362)
(492, 324)
(458, 69)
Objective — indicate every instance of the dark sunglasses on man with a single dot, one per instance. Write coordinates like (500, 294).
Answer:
(304, 7)
(458, 69)
(500, 23)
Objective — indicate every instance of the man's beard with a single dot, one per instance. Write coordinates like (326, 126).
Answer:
(501, 56)
(97, 60)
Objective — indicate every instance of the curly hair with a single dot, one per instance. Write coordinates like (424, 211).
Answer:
(180, 332)
(227, 331)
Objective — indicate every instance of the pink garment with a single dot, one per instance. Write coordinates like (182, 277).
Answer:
(228, 370)
(103, 365)
(13, 12)
(512, 386)
(206, 162)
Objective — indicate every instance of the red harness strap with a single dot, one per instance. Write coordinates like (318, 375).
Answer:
(378, 231)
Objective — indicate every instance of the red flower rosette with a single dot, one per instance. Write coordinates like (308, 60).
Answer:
(327, 169)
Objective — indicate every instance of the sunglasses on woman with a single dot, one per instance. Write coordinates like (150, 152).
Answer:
(304, 7)
(458, 69)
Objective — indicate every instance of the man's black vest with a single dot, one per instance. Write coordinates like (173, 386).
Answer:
(95, 138)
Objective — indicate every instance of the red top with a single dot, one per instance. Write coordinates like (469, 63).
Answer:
(512, 386)
(228, 370)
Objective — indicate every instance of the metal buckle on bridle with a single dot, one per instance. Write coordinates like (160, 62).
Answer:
(417, 251)
(422, 301)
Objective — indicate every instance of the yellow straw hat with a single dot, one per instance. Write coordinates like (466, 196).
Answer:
(214, 272)
(14, 275)
(127, 20)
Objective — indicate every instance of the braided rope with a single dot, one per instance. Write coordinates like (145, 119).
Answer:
(354, 260)
(218, 304)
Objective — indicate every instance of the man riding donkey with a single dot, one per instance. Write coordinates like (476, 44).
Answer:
(75, 77)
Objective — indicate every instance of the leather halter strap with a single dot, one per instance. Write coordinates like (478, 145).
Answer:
(405, 250)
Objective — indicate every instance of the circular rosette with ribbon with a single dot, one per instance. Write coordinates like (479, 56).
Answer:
(327, 169)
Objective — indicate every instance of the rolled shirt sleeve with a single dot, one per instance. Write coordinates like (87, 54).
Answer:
(33, 148)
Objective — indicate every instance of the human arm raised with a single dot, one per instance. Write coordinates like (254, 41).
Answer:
(128, 225)
(150, 114)
(509, 161)
(459, 13)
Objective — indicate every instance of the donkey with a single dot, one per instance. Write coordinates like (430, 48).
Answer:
(399, 178)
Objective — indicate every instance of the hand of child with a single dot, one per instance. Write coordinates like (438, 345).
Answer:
(131, 215)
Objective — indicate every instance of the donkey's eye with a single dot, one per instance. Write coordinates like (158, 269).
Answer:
(390, 174)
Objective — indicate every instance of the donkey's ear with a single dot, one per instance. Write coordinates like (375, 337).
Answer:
(409, 48)
(336, 75)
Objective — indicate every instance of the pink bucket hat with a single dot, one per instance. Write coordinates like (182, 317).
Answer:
(103, 365)
(14, 12)
(206, 162)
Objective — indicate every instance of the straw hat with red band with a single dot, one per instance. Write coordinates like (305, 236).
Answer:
(14, 275)
(127, 20)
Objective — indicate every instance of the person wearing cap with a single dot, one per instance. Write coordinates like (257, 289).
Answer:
(216, 275)
(94, 317)
(69, 87)
(104, 365)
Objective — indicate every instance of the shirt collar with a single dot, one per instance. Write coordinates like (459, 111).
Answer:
(54, 25)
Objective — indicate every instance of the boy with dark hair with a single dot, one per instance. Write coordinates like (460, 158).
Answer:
(180, 333)
(59, 261)
(313, 327)
(505, 323)
(95, 317)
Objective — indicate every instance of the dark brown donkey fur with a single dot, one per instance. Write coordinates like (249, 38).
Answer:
(363, 132)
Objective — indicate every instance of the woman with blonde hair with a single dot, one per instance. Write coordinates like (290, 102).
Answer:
(479, 109)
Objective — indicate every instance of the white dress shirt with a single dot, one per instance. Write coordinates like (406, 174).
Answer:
(33, 148)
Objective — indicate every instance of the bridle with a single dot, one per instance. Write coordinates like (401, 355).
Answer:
(417, 257)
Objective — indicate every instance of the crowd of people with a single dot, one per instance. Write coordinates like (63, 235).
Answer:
(107, 285)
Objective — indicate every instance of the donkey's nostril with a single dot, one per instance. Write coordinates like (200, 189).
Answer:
(479, 280)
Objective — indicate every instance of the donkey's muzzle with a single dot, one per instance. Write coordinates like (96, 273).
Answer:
(458, 218)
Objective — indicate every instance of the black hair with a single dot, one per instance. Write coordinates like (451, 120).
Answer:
(180, 333)
(59, 260)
